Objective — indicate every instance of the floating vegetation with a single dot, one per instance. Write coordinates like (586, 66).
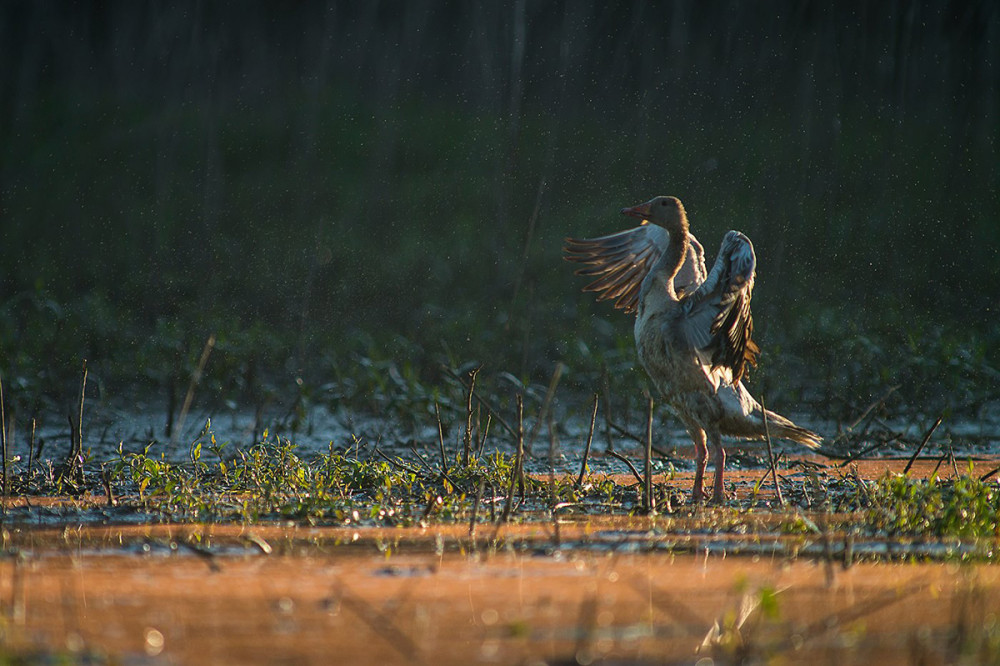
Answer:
(966, 507)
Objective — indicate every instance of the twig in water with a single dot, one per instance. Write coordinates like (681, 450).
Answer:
(923, 443)
(381, 624)
(206, 555)
(493, 504)
(420, 459)
(640, 440)
(515, 473)
(588, 628)
(258, 420)
(848, 561)
(482, 401)
(72, 439)
(475, 510)
(626, 434)
(195, 380)
(831, 574)
(443, 473)
(846, 617)
(3, 438)
(885, 396)
(467, 448)
(486, 431)
(520, 446)
(990, 473)
(877, 403)
(648, 502)
(31, 444)
(553, 500)
(106, 482)
(396, 463)
(74, 463)
(606, 387)
(770, 455)
(543, 412)
(635, 472)
(864, 452)
(79, 419)
(444, 458)
(432, 503)
(168, 429)
(590, 439)
(938, 466)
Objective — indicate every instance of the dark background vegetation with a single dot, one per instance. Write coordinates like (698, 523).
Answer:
(340, 188)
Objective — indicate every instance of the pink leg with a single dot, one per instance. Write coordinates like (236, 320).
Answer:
(719, 492)
(700, 462)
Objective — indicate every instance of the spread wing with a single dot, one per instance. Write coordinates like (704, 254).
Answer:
(715, 318)
(621, 261)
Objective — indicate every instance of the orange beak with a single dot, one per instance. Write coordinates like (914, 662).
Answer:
(640, 212)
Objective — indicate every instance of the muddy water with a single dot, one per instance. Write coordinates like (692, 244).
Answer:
(592, 589)
(228, 594)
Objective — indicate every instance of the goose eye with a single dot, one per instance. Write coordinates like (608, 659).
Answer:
(663, 203)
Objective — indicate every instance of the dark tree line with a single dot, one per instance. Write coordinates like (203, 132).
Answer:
(170, 153)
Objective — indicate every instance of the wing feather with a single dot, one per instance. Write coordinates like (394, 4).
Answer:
(716, 316)
(621, 261)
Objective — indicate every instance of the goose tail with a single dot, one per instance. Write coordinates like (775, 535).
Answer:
(780, 427)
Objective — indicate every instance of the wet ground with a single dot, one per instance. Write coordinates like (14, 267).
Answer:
(81, 580)
(94, 583)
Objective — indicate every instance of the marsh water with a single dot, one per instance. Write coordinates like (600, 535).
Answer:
(294, 594)
(92, 583)
(318, 428)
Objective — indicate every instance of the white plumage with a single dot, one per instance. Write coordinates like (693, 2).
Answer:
(693, 328)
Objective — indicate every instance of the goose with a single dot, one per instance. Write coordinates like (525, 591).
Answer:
(693, 328)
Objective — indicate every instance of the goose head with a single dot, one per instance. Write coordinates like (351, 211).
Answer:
(666, 212)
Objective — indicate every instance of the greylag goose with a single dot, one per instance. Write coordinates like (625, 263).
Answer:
(693, 329)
